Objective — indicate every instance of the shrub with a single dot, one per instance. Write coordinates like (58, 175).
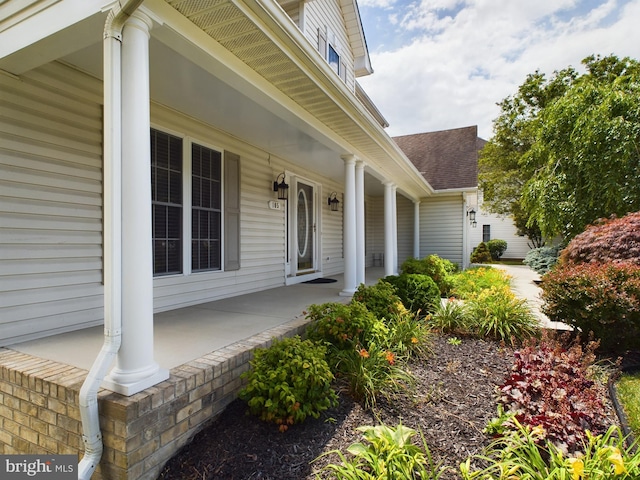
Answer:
(418, 293)
(497, 313)
(542, 259)
(344, 326)
(497, 248)
(439, 269)
(551, 387)
(450, 317)
(387, 453)
(367, 373)
(603, 299)
(523, 453)
(380, 299)
(288, 382)
(481, 254)
(474, 280)
(613, 240)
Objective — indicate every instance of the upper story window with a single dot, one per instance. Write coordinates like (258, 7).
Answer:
(331, 53)
(334, 59)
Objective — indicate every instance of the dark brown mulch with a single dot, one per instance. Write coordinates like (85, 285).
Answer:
(453, 400)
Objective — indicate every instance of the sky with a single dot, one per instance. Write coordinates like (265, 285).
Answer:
(442, 64)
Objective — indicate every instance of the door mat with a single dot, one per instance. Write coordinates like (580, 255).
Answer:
(321, 280)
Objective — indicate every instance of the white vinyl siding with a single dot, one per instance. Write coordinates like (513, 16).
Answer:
(50, 203)
(374, 228)
(332, 260)
(441, 228)
(405, 228)
(326, 16)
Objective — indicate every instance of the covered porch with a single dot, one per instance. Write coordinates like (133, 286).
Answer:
(206, 348)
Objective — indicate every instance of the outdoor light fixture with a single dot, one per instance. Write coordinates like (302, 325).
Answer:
(281, 187)
(471, 213)
(333, 202)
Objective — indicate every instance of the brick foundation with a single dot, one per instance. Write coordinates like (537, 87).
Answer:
(39, 407)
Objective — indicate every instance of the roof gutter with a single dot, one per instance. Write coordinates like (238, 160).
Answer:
(88, 399)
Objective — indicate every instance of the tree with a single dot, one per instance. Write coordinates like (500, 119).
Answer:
(502, 175)
(566, 151)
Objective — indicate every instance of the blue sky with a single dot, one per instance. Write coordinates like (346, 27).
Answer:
(441, 64)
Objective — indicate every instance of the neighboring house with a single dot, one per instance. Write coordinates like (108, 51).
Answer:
(492, 226)
(142, 147)
(448, 159)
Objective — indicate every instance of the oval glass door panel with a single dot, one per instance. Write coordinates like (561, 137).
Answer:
(305, 226)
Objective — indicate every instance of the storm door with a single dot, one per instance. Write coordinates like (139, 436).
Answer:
(304, 228)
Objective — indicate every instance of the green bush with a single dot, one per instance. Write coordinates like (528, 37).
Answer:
(603, 299)
(474, 280)
(481, 254)
(497, 248)
(439, 269)
(497, 313)
(387, 453)
(542, 259)
(380, 299)
(288, 382)
(419, 293)
(344, 326)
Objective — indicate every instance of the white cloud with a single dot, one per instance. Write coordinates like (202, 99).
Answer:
(459, 58)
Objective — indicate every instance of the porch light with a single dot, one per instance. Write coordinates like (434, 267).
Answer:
(333, 202)
(281, 187)
(471, 213)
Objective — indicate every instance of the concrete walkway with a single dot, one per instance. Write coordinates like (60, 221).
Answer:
(523, 285)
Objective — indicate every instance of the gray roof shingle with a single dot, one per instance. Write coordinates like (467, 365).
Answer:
(447, 159)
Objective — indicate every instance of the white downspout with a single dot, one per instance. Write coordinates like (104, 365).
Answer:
(88, 399)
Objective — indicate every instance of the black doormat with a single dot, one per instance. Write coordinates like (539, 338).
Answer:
(322, 280)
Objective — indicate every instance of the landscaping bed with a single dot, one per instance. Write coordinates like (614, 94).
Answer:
(453, 400)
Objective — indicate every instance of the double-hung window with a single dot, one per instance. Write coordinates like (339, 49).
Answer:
(210, 175)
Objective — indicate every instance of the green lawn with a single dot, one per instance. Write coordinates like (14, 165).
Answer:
(629, 395)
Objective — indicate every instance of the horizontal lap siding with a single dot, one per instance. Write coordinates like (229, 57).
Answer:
(374, 227)
(50, 203)
(441, 228)
(405, 228)
(332, 242)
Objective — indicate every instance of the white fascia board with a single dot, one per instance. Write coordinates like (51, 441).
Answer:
(456, 191)
(44, 23)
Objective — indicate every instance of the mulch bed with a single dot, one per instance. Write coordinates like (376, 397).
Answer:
(453, 401)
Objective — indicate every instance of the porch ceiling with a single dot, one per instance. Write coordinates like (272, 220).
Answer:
(257, 77)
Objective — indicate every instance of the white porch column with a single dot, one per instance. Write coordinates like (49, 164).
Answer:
(389, 254)
(360, 233)
(394, 199)
(349, 234)
(135, 367)
(416, 229)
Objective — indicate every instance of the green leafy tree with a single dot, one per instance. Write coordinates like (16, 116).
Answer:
(566, 150)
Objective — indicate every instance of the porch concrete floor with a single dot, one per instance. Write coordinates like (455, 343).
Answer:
(188, 333)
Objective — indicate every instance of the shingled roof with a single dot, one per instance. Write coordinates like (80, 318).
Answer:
(446, 159)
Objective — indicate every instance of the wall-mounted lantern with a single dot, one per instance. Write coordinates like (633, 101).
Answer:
(333, 201)
(471, 213)
(281, 187)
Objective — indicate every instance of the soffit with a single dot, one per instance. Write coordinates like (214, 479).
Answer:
(266, 40)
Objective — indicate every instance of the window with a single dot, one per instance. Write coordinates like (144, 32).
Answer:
(204, 242)
(166, 202)
(334, 59)
(206, 213)
(486, 233)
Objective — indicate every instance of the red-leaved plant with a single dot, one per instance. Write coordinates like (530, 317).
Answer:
(613, 240)
(550, 387)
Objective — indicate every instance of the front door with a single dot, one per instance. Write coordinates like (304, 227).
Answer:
(304, 228)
